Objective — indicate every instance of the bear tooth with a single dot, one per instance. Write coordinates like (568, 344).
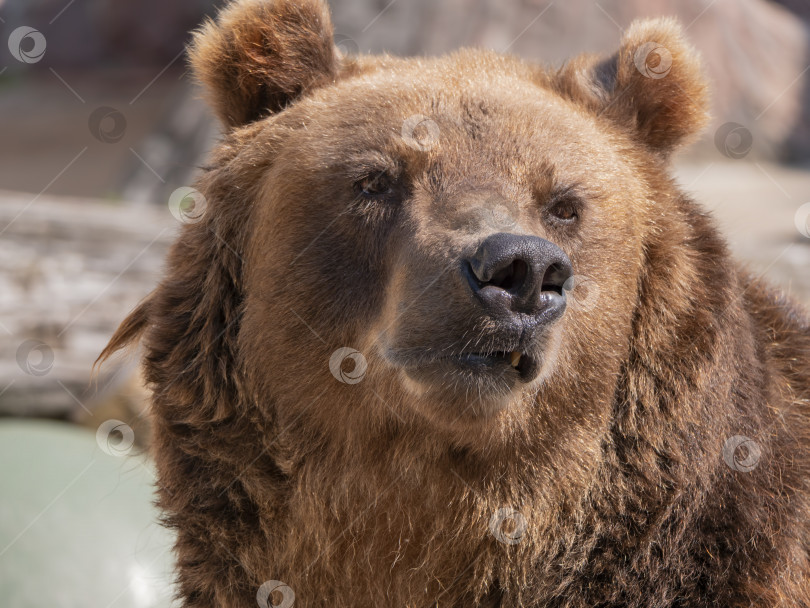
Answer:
(515, 358)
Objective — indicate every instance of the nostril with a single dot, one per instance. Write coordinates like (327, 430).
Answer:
(518, 274)
(554, 278)
(511, 277)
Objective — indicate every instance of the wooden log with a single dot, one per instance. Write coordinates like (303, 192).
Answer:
(70, 270)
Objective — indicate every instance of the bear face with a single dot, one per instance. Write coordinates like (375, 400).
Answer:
(425, 293)
(388, 235)
(384, 233)
(385, 183)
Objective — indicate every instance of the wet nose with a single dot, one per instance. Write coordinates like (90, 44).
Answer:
(513, 274)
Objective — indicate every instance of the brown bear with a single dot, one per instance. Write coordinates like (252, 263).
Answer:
(447, 333)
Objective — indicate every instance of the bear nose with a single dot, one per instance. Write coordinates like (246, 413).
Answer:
(515, 273)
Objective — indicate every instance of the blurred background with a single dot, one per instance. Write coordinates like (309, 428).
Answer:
(101, 124)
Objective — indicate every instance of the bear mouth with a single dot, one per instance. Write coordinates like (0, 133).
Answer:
(497, 362)
(496, 371)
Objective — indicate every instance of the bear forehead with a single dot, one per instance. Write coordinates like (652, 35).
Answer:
(473, 83)
(472, 104)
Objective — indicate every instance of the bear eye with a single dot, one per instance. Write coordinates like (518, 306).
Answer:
(565, 213)
(564, 207)
(376, 185)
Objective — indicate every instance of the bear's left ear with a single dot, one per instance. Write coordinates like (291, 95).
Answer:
(653, 85)
(260, 55)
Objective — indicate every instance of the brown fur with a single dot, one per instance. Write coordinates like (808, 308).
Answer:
(380, 493)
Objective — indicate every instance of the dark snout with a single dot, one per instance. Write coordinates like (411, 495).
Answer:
(493, 339)
(513, 275)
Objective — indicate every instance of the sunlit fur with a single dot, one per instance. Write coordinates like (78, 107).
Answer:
(381, 492)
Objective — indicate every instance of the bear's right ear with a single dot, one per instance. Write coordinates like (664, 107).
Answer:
(260, 55)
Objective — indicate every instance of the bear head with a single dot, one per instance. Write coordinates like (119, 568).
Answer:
(458, 243)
